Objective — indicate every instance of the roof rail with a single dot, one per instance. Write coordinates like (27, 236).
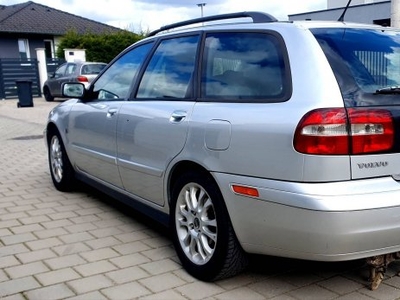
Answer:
(258, 17)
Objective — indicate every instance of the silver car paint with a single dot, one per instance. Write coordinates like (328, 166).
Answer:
(92, 139)
(318, 221)
(264, 132)
(150, 135)
(309, 206)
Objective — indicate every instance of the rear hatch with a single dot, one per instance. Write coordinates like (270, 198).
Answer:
(366, 63)
(90, 71)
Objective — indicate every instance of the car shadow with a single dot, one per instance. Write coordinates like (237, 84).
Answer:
(259, 265)
(122, 208)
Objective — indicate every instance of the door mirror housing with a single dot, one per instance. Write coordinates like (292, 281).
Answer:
(73, 90)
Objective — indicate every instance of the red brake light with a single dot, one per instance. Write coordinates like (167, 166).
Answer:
(323, 131)
(82, 79)
(371, 130)
(335, 131)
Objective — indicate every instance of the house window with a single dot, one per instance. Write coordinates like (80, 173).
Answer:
(23, 47)
(49, 48)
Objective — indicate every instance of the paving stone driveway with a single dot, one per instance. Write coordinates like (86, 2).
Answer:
(84, 245)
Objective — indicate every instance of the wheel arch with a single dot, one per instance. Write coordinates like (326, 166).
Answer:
(234, 259)
(181, 168)
(61, 170)
(47, 93)
(51, 127)
(45, 89)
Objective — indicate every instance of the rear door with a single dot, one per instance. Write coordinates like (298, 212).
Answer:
(152, 127)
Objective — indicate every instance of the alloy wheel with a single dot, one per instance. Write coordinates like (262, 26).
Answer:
(196, 223)
(56, 158)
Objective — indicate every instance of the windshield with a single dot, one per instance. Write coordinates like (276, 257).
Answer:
(366, 63)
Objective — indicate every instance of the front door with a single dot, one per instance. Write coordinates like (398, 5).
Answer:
(93, 139)
(93, 122)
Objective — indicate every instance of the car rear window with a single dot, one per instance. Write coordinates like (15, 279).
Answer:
(245, 66)
(92, 69)
(366, 63)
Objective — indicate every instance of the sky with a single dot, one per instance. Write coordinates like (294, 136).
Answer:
(147, 15)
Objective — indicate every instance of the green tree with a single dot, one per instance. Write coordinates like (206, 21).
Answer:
(99, 47)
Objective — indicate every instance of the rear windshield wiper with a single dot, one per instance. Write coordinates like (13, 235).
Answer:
(389, 90)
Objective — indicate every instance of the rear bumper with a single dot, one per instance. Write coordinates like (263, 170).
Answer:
(318, 221)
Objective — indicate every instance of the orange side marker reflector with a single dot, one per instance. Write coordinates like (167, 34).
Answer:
(245, 190)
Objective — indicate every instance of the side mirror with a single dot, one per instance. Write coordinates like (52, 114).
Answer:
(73, 90)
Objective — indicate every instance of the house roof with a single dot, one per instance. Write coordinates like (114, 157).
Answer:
(34, 18)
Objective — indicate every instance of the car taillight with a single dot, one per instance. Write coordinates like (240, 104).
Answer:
(82, 79)
(337, 131)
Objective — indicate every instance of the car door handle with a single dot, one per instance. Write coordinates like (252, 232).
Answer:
(178, 116)
(111, 112)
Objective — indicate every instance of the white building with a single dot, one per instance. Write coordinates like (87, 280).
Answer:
(360, 11)
(343, 3)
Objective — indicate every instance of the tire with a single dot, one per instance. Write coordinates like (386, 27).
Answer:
(201, 229)
(61, 170)
(47, 94)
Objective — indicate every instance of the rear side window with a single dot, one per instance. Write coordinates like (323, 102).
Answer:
(70, 69)
(60, 71)
(366, 63)
(245, 66)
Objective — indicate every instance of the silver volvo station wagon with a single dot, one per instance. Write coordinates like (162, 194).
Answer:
(254, 136)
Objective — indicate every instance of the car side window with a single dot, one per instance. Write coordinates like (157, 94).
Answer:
(244, 65)
(170, 70)
(70, 69)
(116, 81)
(60, 71)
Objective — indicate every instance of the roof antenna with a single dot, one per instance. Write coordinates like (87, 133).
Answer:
(341, 18)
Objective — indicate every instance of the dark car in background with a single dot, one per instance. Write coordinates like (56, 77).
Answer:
(83, 72)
